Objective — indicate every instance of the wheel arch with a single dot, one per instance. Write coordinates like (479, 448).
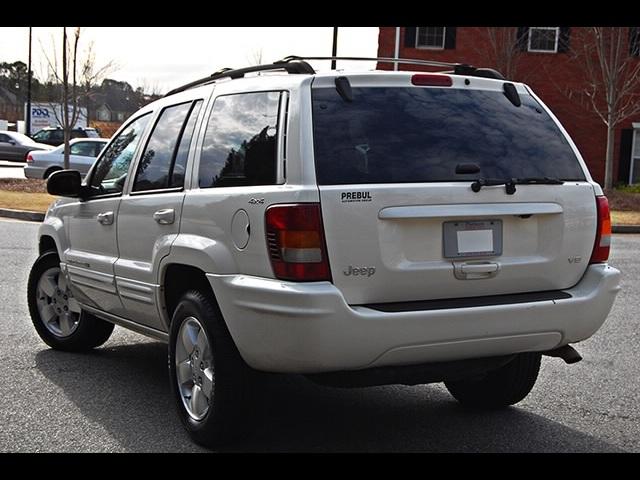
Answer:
(47, 173)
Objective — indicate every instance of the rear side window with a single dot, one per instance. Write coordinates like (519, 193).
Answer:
(180, 164)
(84, 149)
(406, 135)
(156, 164)
(239, 147)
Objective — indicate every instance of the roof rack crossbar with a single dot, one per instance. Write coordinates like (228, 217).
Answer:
(293, 66)
(412, 61)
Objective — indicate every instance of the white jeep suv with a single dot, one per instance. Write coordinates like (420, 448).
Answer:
(361, 228)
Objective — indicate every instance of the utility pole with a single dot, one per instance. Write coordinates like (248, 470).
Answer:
(28, 116)
(334, 51)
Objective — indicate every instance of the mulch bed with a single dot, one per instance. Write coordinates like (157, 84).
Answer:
(28, 185)
(623, 201)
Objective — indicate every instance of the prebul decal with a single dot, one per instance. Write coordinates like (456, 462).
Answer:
(355, 197)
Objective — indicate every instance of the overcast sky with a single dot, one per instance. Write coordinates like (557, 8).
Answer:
(166, 57)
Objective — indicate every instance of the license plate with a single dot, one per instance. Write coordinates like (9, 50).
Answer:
(481, 238)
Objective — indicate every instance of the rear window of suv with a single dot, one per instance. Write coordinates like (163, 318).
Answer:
(408, 135)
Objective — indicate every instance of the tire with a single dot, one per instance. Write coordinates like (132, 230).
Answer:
(212, 365)
(66, 327)
(500, 388)
(51, 170)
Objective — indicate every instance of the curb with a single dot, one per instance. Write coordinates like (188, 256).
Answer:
(625, 228)
(4, 164)
(22, 215)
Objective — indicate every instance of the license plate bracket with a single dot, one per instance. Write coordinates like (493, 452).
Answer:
(472, 238)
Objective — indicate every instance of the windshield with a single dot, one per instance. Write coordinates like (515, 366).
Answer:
(403, 135)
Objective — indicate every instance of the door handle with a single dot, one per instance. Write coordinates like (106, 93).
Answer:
(475, 270)
(105, 218)
(166, 216)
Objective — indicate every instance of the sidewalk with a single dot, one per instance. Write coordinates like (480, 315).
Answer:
(11, 169)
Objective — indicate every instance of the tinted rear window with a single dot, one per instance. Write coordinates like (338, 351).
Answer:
(403, 135)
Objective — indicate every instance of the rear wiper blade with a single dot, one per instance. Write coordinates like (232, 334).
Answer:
(538, 180)
(508, 183)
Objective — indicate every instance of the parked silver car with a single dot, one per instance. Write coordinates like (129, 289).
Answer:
(14, 146)
(83, 152)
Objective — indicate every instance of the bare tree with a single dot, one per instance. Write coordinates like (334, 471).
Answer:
(92, 74)
(611, 85)
(255, 58)
(502, 49)
(74, 87)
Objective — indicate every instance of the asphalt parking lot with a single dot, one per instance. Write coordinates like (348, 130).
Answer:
(116, 399)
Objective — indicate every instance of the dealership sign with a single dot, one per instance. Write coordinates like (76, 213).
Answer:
(50, 115)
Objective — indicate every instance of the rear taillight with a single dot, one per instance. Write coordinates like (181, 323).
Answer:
(29, 158)
(295, 239)
(603, 235)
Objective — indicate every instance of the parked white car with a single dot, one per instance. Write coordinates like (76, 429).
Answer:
(83, 152)
(360, 228)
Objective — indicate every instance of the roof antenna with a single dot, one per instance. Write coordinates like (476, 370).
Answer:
(344, 88)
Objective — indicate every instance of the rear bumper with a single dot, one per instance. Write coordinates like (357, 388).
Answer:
(308, 327)
(33, 172)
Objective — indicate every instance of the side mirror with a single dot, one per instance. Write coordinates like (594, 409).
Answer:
(65, 183)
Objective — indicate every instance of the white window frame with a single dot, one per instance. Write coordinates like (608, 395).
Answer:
(634, 141)
(431, 47)
(555, 50)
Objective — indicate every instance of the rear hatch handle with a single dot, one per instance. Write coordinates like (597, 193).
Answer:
(475, 270)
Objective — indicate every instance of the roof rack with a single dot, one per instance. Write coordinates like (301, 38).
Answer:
(293, 66)
(457, 68)
(298, 65)
(412, 61)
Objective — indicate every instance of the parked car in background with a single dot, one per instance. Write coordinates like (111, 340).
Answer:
(55, 135)
(14, 146)
(83, 152)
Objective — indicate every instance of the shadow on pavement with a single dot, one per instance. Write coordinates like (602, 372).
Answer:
(125, 389)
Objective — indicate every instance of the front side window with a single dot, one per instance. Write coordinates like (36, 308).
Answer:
(430, 37)
(239, 147)
(156, 162)
(111, 170)
(543, 39)
(56, 136)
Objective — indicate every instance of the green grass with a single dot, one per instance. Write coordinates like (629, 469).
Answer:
(33, 202)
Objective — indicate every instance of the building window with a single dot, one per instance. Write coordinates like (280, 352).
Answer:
(634, 41)
(634, 173)
(430, 37)
(543, 39)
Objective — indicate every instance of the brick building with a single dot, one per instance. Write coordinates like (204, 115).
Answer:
(543, 58)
